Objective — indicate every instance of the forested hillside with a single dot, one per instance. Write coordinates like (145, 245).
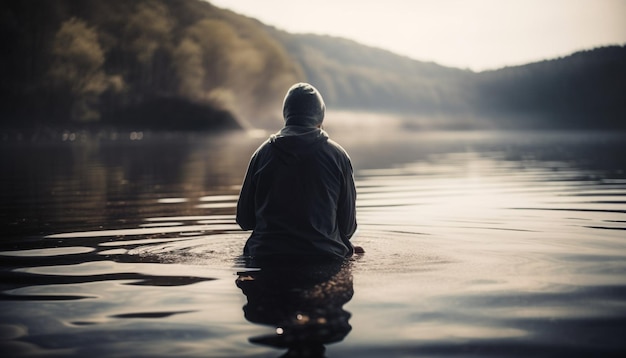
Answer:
(584, 90)
(186, 64)
(356, 77)
(158, 63)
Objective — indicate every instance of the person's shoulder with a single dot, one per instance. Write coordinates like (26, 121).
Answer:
(336, 146)
(338, 149)
(261, 149)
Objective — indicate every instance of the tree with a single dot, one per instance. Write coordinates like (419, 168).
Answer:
(77, 68)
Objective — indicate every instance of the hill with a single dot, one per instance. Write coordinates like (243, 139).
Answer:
(584, 90)
(187, 64)
(106, 62)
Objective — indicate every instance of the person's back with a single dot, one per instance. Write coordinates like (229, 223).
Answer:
(298, 196)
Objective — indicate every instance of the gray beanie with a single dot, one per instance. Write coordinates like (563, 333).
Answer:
(303, 106)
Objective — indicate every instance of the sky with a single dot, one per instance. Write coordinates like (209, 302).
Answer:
(469, 34)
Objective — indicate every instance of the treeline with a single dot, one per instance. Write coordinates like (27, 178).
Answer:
(584, 90)
(171, 64)
(185, 64)
(357, 77)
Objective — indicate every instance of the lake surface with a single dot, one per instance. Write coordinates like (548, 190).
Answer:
(497, 244)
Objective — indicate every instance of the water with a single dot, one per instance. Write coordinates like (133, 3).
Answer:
(477, 244)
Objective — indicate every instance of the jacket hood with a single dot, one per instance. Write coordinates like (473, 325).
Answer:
(303, 106)
(296, 143)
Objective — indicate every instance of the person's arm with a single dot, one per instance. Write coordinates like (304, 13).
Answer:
(346, 209)
(245, 205)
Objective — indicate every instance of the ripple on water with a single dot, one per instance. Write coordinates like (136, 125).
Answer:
(55, 251)
(484, 218)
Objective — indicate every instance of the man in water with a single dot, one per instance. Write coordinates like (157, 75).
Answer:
(298, 195)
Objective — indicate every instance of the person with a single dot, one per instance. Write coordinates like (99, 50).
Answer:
(298, 195)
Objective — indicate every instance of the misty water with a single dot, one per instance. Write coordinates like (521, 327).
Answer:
(477, 244)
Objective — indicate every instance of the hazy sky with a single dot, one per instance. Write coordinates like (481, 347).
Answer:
(475, 34)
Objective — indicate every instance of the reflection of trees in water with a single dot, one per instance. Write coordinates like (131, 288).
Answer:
(108, 179)
(304, 303)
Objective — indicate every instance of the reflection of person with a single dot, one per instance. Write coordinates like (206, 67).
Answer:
(298, 195)
(303, 302)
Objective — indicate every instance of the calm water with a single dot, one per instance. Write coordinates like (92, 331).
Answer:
(477, 244)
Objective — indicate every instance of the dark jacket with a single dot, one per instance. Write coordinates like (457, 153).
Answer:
(298, 196)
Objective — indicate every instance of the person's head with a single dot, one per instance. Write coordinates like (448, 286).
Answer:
(303, 106)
